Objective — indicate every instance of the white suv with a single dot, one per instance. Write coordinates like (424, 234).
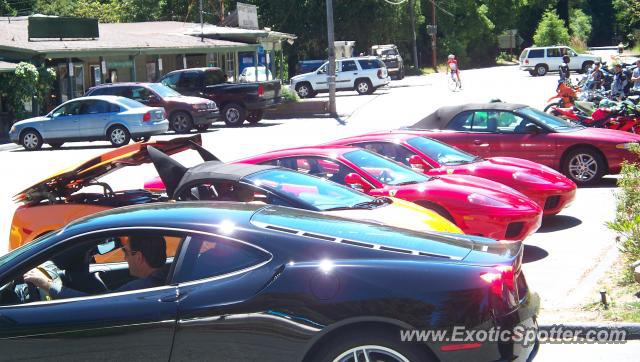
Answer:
(540, 60)
(362, 74)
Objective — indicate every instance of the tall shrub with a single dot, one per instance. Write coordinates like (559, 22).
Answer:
(580, 24)
(551, 30)
(27, 83)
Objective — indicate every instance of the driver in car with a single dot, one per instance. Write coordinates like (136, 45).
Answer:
(146, 257)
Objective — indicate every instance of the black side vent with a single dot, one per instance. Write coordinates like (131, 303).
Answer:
(433, 255)
(290, 231)
(386, 248)
(356, 243)
(321, 237)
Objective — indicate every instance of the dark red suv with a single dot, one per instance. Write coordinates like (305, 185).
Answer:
(184, 113)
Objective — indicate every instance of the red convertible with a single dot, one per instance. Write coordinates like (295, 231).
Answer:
(550, 189)
(478, 206)
(515, 130)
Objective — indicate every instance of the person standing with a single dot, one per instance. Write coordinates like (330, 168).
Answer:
(619, 82)
(635, 78)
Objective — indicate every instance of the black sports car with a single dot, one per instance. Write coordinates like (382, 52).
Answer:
(267, 283)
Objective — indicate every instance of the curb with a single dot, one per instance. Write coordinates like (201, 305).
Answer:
(632, 329)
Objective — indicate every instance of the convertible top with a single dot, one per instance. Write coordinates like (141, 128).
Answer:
(175, 176)
(441, 117)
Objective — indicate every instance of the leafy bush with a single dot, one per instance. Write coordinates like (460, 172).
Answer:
(288, 95)
(580, 24)
(551, 30)
(627, 221)
(26, 83)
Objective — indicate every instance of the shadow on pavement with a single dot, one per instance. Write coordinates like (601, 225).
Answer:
(558, 222)
(217, 127)
(533, 253)
(605, 182)
(45, 148)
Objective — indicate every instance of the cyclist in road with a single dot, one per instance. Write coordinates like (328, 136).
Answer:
(452, 64)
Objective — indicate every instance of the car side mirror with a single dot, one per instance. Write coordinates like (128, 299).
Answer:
(321, 71)
(532, 129)
(417, 163)
(356, 182)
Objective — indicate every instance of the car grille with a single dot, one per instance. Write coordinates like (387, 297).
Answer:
(391, 63)
(514, 229)
(552, 202)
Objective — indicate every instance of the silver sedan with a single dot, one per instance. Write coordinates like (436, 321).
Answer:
(111, 118)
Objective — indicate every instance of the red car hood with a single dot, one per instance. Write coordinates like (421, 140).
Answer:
(532, 168)
(68, 181)
(461, 186)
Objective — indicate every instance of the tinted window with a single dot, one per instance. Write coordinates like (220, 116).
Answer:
(440, 152)
(189, 80)
(209, 256)
(557, 124)
(171, 80)
(214, 77)
(163, 91)
(349, 65)
(554, 53)
(536, 53)
(139, 93)
(393, 151)
(370, 63)
(130, 103)
(95, 107)
(383, 169)
(461, 122)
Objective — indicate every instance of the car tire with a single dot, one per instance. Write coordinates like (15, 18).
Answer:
(532, 73)
(379, 345)
(181, 122)
(233, 115)
(56, 145)
(401, 74)
(541, 70)
(255, 116)
(118, 136)
(584, 166)
(305, 90)
(203, 127)
(363, 86)
(31, 140)
(586, 66)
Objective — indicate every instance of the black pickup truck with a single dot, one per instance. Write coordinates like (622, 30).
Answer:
(237, 102)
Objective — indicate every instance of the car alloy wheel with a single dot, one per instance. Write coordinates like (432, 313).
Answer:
(181, 123)
(30, 141)
(118, 136)
(583, 167)
(232, 115)
(303, 91)
(363, 87)
(370, 353)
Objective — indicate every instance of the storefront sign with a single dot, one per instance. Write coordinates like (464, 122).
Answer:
(120, 63)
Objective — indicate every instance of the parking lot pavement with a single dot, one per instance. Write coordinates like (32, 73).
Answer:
(562, 260)
(627, 352)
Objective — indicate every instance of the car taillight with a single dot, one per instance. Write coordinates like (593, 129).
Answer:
(146, 117)
(380, 73)
(526, 61)
(502, 286)
(260, 90)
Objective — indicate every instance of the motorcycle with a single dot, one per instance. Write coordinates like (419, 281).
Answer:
(622, 116)
(566, 95)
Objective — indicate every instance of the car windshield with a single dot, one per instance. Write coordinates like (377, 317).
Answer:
(35, 244)
(555, 123)
(319, 193)
(440, 152)
(163, 91)
(130, 103)
(383, 169)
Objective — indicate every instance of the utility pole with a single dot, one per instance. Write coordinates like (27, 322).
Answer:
(221, 10)
(433, 36)
(201, 24)
(331, 78)
(413, 31)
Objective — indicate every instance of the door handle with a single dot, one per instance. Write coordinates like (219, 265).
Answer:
(355, 73)
(477, 142)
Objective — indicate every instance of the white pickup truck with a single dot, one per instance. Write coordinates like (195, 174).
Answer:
(540, 60)
(362, 74)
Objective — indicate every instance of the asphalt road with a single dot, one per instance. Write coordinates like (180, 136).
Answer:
(563, 261)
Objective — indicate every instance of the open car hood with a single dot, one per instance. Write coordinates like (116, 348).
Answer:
(68, 181)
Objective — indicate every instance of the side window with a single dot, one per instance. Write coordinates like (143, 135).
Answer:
(95, 107)
(485, 121)
(322, 167)
(510, 123)
(553, 53)
(393, 151)
(324, 68)
(171, 80)
(211, 256)
(140, 94)
(536, 53)
(461, 122)
(349, 66)
(74, 108)
(189, 80)
(370, 63)
(114, 108)
(217, 77)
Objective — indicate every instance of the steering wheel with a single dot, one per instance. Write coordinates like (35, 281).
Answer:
(385, 176)
(25, 292)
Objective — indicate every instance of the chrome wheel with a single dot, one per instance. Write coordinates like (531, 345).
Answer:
(371, 353)
(181, 123)
(30, 141)
(583, 167)
(118, 136)
(303, 91)
(363, 87)
(232, 115)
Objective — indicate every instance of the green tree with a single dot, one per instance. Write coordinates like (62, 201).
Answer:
(580, 24)
(551, 30)
(27, 83)
(627, 13)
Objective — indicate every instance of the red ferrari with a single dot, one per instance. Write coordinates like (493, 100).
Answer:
(515, 130)
(547, 187)
(478, 206)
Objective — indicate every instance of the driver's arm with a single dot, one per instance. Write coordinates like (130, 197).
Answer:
(54, 287)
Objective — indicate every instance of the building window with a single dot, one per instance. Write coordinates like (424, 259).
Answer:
(213, 60)
(230, 65)
(96, 75)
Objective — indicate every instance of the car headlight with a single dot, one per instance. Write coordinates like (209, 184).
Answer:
(13, 129)
(483, 200)
(525, 177)
(627, 146)
(212, 105)
(200, 106)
